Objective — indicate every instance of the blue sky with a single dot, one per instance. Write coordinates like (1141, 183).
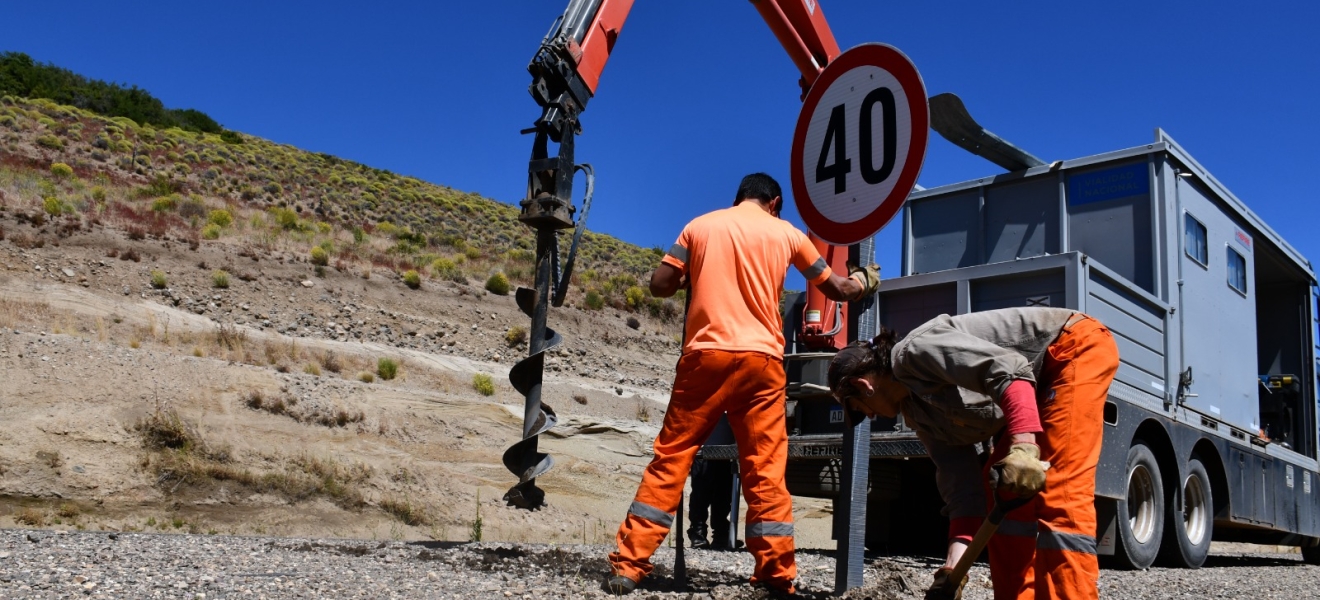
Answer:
(699, 93)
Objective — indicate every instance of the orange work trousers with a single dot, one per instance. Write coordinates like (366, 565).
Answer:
(1047, 548)
(749, 386)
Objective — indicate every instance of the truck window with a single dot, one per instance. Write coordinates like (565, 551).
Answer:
(1237, 271)
(1194, 242)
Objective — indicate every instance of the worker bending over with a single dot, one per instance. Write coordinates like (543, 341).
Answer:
(733, 261)
(1035, 379)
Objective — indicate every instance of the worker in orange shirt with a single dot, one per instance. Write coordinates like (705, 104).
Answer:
(1035, 380)
(734, 262)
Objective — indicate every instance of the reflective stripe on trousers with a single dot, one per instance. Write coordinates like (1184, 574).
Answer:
(651, 513)
(1072, 542)
(769, 529)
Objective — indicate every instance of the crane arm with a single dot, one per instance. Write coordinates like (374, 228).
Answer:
(565, 73)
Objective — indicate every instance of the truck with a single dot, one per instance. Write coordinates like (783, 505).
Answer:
(1210, 429)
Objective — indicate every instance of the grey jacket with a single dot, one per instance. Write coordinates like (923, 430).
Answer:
(957, 369)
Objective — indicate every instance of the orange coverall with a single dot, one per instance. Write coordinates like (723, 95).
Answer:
(732, 362)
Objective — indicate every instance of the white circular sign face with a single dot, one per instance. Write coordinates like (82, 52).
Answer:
(859, 143)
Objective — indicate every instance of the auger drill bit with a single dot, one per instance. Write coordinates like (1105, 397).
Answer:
(547, 209)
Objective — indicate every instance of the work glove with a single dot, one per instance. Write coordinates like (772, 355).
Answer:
(1021, 473)
(868, 276)
(944, 589)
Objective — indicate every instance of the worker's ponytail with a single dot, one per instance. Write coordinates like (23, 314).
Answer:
(863, 357)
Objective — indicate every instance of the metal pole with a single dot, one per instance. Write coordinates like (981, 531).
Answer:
(850, 506)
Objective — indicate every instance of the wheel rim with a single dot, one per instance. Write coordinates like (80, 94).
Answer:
(1195, 510)
(1141, 504)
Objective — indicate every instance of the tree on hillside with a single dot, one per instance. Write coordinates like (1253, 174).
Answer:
(22, 76)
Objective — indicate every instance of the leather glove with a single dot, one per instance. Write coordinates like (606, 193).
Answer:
(868, 276)
(1021, 472)
(944, 589)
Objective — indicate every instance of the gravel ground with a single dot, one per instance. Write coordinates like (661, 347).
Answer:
(46, 564)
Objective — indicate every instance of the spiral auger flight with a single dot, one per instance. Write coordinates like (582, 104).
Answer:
(523, 458)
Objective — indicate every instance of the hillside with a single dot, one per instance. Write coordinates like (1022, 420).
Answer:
(365, 218)
(217, 337)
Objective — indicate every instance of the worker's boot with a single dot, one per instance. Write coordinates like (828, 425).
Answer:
(720, 539)
(697, 536)
(620, 585)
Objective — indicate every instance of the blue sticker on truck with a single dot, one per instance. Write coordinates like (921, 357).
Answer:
(836, 415)
(1109, 184)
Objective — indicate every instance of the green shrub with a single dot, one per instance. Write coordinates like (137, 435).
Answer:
(516, 335)
(498, 284)
(483, 384)
(472, 252)
(230, 137)
(594, 300)
(220, 217)
(635, 296)
(61, 171)
(50, 142)
(98, 193)
(323, 227)
(211, 231)
(286, 218)
(359, 235)
(165, 204)
(412, 279)
(159, 187)
(387, 368)
(158, 279)
(52, 206)
(320, 257)
(7, 121)
(443, 268)
(220, 279)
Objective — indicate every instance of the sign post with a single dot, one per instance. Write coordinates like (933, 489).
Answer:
(857, 150)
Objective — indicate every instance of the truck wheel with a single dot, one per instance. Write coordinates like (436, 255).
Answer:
(1190, 526)
(1141, 514)
(1311, 554)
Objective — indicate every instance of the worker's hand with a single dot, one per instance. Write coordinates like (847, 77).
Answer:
(1021, 473)
(868, 277)
(944, 589)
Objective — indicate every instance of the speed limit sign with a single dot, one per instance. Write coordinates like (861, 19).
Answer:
(859, 143)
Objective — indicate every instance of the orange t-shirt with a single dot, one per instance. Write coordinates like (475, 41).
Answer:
(735, 260)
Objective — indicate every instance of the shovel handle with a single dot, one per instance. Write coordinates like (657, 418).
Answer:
(987, 529)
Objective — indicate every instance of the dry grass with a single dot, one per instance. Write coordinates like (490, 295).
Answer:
(406, 511)
(14, 313)
(180, 458)
(31, 517)
(287, 405)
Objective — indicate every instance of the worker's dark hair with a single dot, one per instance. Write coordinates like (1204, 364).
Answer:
(760, 186)
(860, 358)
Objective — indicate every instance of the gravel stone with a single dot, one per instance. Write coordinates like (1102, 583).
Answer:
(137, 565)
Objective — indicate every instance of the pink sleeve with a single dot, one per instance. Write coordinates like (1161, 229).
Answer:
(1019, 405)
(964, 528)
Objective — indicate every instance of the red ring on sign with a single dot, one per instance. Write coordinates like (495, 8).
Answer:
(896, 63)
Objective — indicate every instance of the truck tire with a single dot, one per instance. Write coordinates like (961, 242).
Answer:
(1141, 513)
(1311, 554)
(1189, 527)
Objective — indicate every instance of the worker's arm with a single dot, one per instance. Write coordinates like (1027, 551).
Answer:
(817, 272)
(840, 289)
(666, 280)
